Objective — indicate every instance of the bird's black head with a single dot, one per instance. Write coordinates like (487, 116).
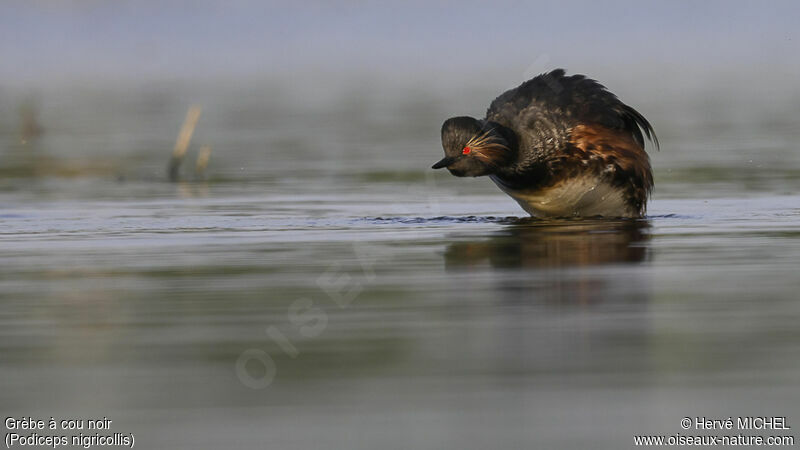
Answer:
(472, 148)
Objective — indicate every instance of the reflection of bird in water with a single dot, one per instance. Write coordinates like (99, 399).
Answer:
(560, 146)
(555, 243)
(553, 248)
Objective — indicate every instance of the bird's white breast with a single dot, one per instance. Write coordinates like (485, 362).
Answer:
(583, 196)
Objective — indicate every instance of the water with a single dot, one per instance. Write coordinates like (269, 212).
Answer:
(401, 308)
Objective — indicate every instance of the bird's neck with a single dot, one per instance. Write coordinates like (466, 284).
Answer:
(530, 164)
(508, 146)
(527, 169)
(523, 174)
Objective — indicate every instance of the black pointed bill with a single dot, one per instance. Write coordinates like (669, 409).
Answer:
(446, 161)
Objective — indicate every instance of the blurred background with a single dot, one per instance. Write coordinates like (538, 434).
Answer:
(110, 82)
(176, 176)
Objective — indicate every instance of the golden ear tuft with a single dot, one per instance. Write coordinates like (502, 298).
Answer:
(487, 148)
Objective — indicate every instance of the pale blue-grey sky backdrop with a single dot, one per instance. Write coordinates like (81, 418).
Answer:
(48, 40)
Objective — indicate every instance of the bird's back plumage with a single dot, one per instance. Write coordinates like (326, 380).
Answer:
(549, 104)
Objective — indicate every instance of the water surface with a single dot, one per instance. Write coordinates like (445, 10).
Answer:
(401, 308)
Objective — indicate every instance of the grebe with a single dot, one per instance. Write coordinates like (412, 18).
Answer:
(560, 146)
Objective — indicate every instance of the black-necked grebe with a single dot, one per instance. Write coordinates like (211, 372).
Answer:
(560, 146)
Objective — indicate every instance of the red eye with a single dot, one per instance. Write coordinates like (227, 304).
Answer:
(466, 150)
